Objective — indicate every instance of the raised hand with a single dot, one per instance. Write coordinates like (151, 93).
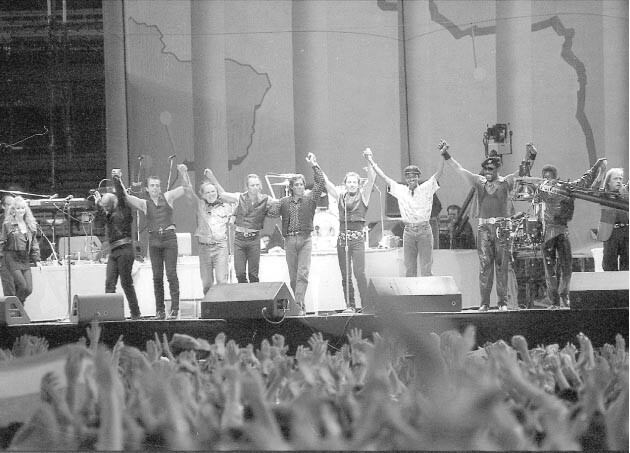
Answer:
(367, 153)
(311, 159)
(443, 146)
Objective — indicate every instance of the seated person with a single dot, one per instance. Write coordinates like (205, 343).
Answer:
(460, 236)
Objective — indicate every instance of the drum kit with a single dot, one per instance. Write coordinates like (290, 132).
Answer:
(521, 231)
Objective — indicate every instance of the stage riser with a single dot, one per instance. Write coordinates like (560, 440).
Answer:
(538, 327)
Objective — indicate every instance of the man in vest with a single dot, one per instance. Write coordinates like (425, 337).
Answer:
(492, 193)
(118, 227)
(297, 211)
(251, 210)
(158, 210)
(415, 202)
(352, 202)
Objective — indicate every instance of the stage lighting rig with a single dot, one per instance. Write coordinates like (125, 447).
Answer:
(497, 139)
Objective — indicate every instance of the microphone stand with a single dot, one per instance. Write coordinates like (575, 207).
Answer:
(380, 205)
(345, 220)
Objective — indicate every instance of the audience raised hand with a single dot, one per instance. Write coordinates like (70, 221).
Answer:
(195, 394)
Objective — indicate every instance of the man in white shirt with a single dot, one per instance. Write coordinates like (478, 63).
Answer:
(415, 202)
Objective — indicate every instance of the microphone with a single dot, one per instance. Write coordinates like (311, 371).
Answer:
(172, 157)
(68, 198)
(55, 195)
(140, 157)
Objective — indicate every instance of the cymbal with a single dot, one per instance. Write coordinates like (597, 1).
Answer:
(533, 179)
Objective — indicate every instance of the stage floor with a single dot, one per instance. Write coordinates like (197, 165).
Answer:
(538, 326)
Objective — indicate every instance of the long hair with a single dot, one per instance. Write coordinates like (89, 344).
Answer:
(29, 219)
(609, 174)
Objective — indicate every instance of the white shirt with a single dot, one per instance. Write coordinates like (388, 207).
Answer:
(415, 208)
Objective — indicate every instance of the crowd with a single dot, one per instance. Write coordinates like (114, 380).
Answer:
(403, 392)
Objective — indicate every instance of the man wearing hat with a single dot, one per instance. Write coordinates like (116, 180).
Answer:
(492, 193)
(415, 202)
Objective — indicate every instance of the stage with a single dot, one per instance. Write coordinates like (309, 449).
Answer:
(538, 326)
(53, 284)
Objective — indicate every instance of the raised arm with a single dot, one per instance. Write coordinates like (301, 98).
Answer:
(226, 196)
(180, 191)
(134, 202)
(330, 187)
(590, 175)
(451, 162)
(366, 191)
(318, 177)
(367, 153)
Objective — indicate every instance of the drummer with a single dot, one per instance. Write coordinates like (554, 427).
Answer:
(555, 211)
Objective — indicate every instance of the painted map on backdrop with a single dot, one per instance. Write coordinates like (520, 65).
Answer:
(245, 86)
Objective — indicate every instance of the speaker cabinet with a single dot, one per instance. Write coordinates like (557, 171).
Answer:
(12, 311)
(591, 290)
(268, 300)
(98, 307)
(413, 294)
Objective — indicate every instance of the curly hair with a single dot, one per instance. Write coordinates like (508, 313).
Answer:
(29, 219)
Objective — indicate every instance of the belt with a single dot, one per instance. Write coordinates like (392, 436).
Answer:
(350, 234)
(620, 225)
(250, 235)
(416, 224)
(120, 243)
(241, 229)
(162, 230)
(490, 220)
(210, 243)
(298, 233)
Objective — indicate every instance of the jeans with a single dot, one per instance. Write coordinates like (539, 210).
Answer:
(163, 254)
(8, 285)
(356, 260)
(213, 264)
(557, 262)
(246, 257)
(298, 255)
(493, 254)
(616, 251)
(120, 263)
(23, 283)
(418, 240)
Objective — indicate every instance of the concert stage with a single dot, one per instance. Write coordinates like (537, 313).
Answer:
(538, 326)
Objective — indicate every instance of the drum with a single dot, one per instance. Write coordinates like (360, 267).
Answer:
(504, 229)
(533, 230)
(325, 230)
(86, 217)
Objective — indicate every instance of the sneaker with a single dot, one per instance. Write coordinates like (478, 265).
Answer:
(135, 317)
(553, 307)
(565, 302)
(301, 313)
(349, 310)
(484, 307)
(160, 315)
(173, 314)
(503, 307)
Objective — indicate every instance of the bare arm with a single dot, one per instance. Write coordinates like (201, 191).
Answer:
(180, 191)
(134, 202)
(468, 176)
(230, 197)
(366, 192)
(368, 155)
(438, 174)
(330, 187)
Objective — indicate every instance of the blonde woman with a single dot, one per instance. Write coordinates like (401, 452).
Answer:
(19, 247)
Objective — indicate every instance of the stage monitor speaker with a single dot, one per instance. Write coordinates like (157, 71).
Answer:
(413, 294)
(98, 307)
(12, 311)
(268, 300)
(591, 290)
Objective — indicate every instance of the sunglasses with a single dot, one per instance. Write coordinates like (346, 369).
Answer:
(489, 168)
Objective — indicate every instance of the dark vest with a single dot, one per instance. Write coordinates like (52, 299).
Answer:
(356, 210)
(160, 215)
(251, 215)
(496, 204)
